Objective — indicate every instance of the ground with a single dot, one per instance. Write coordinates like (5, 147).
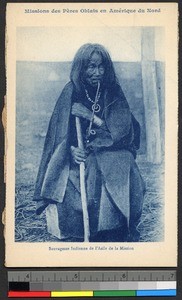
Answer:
(32, 228)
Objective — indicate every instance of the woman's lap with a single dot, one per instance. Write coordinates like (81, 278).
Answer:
(107, 223)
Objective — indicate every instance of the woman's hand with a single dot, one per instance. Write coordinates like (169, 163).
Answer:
(79, 110)
(78, 155)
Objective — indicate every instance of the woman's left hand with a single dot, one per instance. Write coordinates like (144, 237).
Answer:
(79, 110)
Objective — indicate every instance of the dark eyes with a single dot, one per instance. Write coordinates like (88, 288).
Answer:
(93, 67)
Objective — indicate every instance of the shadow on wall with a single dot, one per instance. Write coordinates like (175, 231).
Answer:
(39, 85)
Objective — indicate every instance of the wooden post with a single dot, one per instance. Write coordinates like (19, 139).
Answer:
(151, 107)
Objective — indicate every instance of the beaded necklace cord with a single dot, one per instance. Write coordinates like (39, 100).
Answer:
(96, 106)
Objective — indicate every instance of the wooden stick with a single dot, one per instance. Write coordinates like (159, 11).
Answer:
(83, 185)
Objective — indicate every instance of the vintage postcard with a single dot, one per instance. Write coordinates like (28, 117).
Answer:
(91, 134)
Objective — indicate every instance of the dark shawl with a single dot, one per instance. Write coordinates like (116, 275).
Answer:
(54, 167)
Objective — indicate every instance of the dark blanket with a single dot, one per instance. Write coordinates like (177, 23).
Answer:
(112, 147)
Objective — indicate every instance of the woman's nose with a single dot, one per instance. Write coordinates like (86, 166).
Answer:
(96, 71)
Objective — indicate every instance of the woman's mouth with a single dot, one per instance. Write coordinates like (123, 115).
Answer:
(95, 80)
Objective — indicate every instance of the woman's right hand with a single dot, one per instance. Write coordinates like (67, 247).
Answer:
(79, 155)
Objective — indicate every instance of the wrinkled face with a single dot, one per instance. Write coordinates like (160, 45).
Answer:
(95, 70)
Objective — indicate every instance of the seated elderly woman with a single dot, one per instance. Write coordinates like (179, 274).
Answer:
(111, 136)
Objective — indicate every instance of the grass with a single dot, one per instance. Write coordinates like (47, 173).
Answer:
(32, 228)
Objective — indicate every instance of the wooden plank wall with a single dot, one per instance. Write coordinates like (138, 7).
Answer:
(150, 95)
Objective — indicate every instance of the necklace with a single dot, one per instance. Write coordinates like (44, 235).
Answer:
(95, 106)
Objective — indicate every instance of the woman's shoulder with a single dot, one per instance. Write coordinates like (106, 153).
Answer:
(119, 90)
(116, 92)
(68, 87)
(66, 91)
(65, 96)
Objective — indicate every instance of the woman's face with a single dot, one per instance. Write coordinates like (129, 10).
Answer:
(95, 70)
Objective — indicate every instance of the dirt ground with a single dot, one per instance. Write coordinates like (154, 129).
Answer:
(32, 228)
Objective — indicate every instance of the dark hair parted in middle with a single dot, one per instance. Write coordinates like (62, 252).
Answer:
(81, 61)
